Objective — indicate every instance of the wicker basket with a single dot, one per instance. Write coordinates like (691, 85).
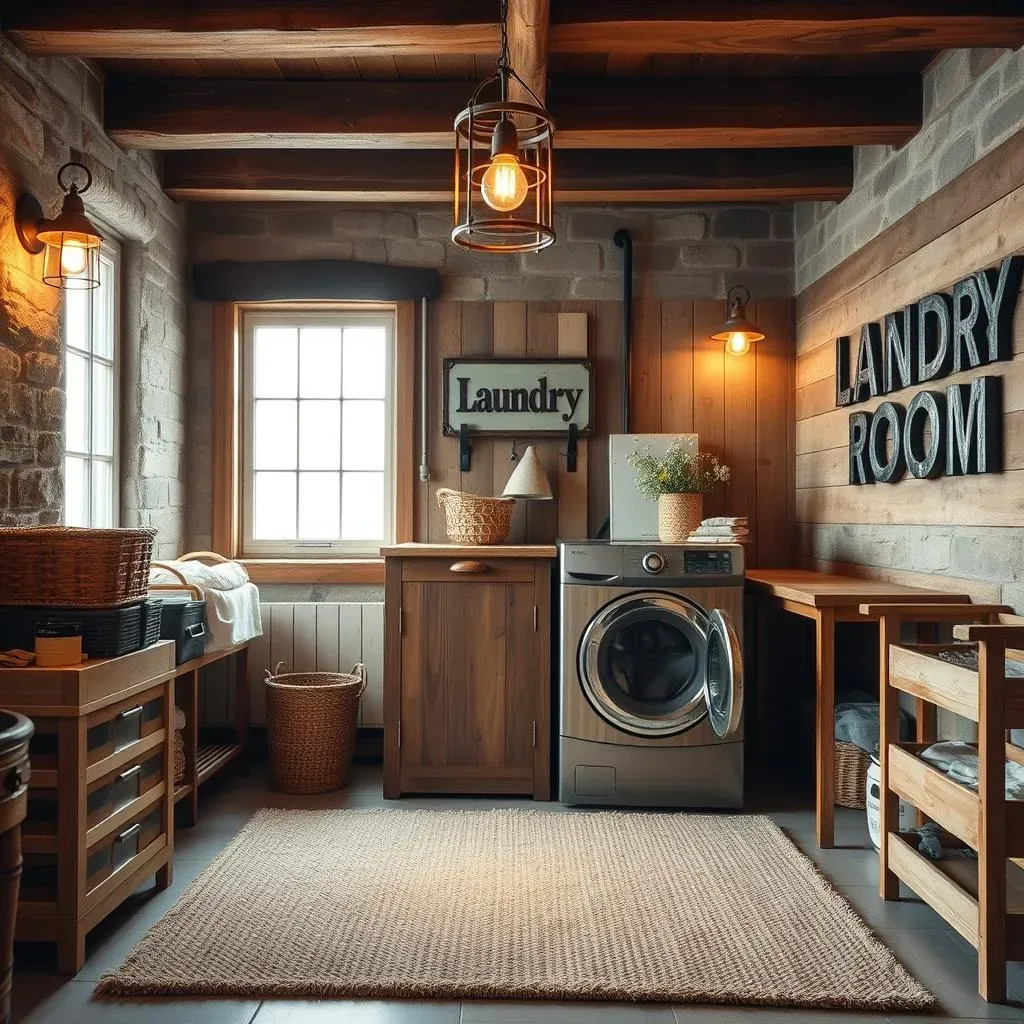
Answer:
(311, 728)
(71, 567)
(473, 519)
(851, 774)
(179, 757)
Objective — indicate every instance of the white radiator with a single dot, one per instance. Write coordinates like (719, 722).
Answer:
(313, 637)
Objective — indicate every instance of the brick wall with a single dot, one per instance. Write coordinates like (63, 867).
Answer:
(680, 252)
(973, 101)
(50, 112)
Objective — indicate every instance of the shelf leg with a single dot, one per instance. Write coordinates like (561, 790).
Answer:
(825, 637)
(71, 949)
(889, 731)
(242, 709)
(191, 709)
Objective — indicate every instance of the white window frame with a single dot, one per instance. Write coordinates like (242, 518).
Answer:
(291, 316)
(110, 251)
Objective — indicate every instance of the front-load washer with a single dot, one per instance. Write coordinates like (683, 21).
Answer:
(651, 674)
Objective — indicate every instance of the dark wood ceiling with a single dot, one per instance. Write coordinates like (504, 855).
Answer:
(715, 99)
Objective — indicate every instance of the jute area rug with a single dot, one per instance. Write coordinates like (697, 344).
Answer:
(516, 904)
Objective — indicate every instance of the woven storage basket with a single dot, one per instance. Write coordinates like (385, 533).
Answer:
(851, 775)
(72, 567)
(179, 757)
(311, 728)
(474, 519)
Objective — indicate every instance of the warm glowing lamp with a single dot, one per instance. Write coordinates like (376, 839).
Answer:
(504, 185)
(72, 242)
(738, 331)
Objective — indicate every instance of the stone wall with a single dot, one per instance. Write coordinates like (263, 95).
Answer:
(680, 252)
(973, 101)
(50, 110)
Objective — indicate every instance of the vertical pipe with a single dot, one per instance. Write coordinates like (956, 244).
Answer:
(624, 241)
(424, 466)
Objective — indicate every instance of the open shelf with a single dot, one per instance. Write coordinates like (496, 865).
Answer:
(181, 791)
(211, 757)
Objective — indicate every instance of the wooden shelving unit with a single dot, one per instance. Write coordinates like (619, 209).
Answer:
(982, 898)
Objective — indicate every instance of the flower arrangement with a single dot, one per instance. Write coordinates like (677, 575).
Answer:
(679, 472)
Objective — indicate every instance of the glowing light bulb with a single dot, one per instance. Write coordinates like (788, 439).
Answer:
(74, 258)
(738, 343)
(504, 185)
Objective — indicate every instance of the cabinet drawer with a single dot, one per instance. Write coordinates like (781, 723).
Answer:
(122, 725)
(118, 850)
(117, 789)
(467, 570)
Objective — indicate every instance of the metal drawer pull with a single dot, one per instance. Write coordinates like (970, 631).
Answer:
(128, 712)
(130, 772)
(129, 832)
(468, 567)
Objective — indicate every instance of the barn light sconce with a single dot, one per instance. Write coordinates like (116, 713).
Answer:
(72, 242)
(503, 181)
(738, 331)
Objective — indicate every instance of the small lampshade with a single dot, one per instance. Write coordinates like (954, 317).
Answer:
(528, 479)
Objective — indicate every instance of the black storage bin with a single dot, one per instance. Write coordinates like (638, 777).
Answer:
(184, 622)
(152, 619)
(106, 632)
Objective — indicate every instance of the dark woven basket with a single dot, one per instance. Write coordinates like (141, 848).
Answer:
(851, 775)
(66, 566)
(311, 728)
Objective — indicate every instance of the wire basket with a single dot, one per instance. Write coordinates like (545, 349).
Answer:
(851, 772)
(474, 519)
(311, 728)
(69, 566)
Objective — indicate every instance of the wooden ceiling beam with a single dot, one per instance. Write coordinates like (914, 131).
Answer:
(732, 175)
(233, 29)
(789, 27)
(528, 46)
(589, 113)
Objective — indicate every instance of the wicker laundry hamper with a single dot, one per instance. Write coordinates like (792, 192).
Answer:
(851, 775)
(311, 728)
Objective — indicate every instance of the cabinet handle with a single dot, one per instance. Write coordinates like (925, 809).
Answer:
(128, 712)
(468, 567)
(130, 831)
(130, 772)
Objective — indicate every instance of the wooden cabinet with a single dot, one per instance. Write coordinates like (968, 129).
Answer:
(467, 670)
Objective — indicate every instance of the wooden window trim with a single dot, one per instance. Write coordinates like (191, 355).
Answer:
(226, 387)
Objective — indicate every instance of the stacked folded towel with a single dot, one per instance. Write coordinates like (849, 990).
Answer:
(721, 530)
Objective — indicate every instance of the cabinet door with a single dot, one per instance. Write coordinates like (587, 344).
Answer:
(469, 672)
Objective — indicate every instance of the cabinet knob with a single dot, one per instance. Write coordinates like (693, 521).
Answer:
(468, 567)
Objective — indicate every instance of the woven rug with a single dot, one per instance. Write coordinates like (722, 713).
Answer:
(516, 904)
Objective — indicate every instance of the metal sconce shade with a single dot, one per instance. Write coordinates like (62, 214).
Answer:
(503, 178)
(739, 330)
(528, 479)
(72, 242)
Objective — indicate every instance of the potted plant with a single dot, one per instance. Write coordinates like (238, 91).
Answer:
(677, 482)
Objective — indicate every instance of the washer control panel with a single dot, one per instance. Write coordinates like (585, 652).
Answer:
(707, 563)
(653, 562)
(644, 563)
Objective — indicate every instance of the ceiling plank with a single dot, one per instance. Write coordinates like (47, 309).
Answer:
(528, 47)
(580, 176)
(589, 113)
(168, 29)
(790, 27)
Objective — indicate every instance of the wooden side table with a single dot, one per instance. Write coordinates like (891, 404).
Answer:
(827, 599)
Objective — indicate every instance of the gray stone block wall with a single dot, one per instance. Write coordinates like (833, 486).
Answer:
(50, 110)
(973, 101)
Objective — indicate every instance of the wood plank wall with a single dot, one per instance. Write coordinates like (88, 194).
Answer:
(971, 224)
(680, 381)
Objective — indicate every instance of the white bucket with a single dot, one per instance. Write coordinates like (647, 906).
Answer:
(873, 791)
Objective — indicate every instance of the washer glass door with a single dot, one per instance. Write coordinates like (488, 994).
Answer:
(723, 676)
(641, 663)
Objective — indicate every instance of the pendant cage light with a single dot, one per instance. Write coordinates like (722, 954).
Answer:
(71, 241)
(503, 180)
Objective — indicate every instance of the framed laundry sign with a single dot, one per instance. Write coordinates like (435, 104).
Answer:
(518, 396)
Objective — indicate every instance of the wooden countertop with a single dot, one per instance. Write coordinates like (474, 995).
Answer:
(414, 550)
(821, 590)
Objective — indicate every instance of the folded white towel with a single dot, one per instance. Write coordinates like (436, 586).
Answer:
(721, 531)
(219, 576)
(693, 539)
(179, 718)
(725, 521)
(960, 762)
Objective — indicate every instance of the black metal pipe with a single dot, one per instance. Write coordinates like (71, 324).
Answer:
(624, 241)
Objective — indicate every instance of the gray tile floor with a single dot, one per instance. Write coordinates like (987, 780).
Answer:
(931, 950)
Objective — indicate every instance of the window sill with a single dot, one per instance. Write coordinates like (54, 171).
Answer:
(314, 570)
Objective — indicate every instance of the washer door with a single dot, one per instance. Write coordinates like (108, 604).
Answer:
(723, 676)
(641, 663)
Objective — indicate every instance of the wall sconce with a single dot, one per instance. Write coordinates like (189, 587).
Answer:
(528, 479)
(72, 242)
(738, 331)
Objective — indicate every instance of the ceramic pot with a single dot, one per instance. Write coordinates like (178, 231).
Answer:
(678, 516)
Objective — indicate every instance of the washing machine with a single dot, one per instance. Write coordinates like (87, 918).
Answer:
(651, 674)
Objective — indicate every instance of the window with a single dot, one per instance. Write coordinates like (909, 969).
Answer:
(317, 432)
(91, 386)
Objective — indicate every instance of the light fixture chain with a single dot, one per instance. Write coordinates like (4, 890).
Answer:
(503, 57)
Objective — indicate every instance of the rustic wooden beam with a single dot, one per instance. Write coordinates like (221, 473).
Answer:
(788, 27)
(168, 29)
(424, 176)
(528, 46)
(589, 113)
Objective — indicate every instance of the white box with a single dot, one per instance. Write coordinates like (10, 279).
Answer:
(634, 517)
